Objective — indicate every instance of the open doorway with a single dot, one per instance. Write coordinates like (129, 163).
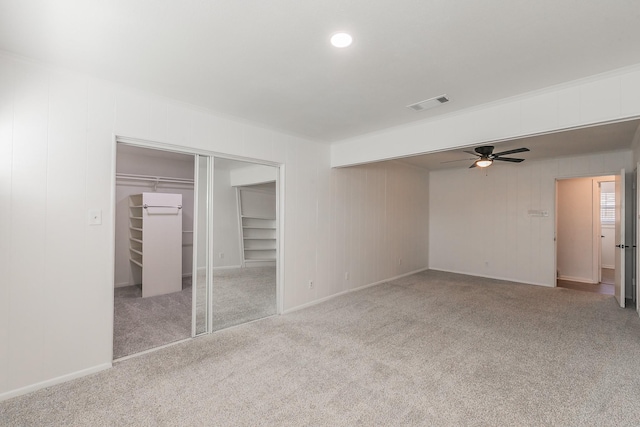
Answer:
(586, 213)
(153, 249)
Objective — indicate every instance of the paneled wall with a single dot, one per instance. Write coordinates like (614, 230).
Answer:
(57, 157)
(375, 226)
(479, 220)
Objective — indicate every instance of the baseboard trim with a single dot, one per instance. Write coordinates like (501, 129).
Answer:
(577, 279)
(359, 288)
(612, 267)
(505, 279)
(53, 381)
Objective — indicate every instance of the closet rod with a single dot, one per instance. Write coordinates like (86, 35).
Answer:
(153, 178)
(161, 206)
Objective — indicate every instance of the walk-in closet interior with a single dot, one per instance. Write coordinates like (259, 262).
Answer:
(188, 222)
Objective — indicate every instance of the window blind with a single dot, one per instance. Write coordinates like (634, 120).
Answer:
(607, 208)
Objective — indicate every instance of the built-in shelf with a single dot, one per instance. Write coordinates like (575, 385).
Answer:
(155, 241)
(258, 223)
(135, 227)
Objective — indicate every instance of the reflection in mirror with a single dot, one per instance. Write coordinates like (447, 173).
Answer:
(244, 242)
(201, 239)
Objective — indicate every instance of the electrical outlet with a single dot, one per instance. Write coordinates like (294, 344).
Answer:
(221, 255)
(486, 263)
(346, 276)
(310, 284)
(399, 261)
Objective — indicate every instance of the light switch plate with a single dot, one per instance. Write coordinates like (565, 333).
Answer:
(95, 217)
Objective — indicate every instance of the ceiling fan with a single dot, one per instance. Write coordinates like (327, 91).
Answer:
(487, 156)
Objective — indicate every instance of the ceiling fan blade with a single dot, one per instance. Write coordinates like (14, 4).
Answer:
(452, 161)
(473, 165)
(471, 152)
(517, 150)
(508, 159)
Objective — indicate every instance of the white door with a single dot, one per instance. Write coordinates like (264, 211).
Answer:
(620, 244)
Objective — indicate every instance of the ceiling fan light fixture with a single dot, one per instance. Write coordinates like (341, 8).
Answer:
(483, 162)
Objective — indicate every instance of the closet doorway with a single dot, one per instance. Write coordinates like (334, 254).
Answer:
(197, 245)
(153, 248)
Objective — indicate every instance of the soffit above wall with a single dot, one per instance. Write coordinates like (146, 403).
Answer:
(595, 139)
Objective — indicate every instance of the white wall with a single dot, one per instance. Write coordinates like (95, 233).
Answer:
(57, 162)
(607, 249)
(602, 98)
(575, 230)
(479, 222)
(376, 226)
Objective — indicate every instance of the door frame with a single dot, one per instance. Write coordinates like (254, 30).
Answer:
(621, 239)
(280, 203)
(636, 224)
(555, 225)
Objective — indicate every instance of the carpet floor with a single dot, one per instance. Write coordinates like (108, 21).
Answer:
(432, 348)
(239, 295)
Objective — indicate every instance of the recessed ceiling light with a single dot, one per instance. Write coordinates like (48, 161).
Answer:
(341, 40)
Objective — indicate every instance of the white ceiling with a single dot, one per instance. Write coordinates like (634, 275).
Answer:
(270, 62)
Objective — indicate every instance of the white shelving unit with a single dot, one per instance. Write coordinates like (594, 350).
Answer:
(259, 239)
(259, 231)
(155, 241)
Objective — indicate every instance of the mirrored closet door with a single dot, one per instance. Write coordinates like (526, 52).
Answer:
(202, 242)
(196, 246)
(245, 242)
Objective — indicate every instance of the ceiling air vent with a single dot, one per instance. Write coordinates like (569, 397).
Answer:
(429, 103)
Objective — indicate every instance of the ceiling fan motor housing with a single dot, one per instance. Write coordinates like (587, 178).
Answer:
(485, 150)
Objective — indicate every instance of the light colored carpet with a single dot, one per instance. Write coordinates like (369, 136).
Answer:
(243, 294)
(428, 349)
(239, 295)
(144, 323)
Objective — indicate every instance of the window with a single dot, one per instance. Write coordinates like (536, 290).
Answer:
(607, 208)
